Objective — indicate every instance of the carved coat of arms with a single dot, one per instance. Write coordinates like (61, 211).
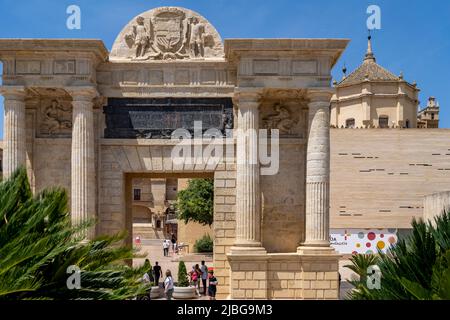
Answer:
(168, 31)
(169, 34)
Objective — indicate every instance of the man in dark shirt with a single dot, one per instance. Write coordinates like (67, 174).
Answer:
(157, 272)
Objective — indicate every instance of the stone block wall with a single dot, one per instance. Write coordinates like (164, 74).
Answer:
(285, 276)
(224, 224)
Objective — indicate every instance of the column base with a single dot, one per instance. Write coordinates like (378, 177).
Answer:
(316, 250)
(248, 273)
(242, 251)
(248, 248)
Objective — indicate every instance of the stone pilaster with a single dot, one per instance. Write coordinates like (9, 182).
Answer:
(14, 153)
(83, 177)
(318, 171)
(248, 194)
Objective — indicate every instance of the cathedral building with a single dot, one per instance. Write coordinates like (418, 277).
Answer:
(373, 97)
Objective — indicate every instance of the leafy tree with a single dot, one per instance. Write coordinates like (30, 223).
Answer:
(38, 244)
(196, 202)
(182, 275)
(417, 267)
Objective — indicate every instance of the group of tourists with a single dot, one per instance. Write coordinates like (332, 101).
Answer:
(199, 275)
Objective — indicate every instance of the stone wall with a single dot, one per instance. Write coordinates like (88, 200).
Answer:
(50, 163)
(284, 200)
(380, 176)
(435, 204)
(189, 233)
(224, 224)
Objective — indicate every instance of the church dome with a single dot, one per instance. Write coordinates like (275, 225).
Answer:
(369, 70)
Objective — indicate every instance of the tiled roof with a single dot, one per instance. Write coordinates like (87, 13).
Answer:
(371, 71)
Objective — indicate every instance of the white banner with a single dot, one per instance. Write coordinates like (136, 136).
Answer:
(353, 241)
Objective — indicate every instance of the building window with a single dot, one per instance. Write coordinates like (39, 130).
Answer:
(137, 194)
(383, 122)
(350, 123)
(158, 224)
(432, 116)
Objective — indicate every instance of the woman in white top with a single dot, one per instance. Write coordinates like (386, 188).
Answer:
(168, 285)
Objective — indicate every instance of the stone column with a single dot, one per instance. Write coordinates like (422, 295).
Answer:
(248, 194)
(14, 153)
(83, 183)
(318, 171)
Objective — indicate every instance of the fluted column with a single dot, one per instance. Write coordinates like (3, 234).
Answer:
(83, 188)
(318, 171)
(14, 153)
(248, 194)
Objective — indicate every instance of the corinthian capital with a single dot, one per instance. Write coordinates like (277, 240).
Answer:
(320, 95)
(13, 92)
(249, 97)
(82, 93)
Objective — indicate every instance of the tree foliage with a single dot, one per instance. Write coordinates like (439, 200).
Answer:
(183, 280)
(196, 202)
(38, 244)
(204, 245)
(417, 267)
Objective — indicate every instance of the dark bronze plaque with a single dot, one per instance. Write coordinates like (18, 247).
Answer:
(158, 118)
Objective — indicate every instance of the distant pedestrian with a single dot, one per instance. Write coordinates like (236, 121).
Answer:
(157, 273)
(168, 285)
(166, 247)
(204, 270)
(174, 242)
(137, 240)
(212, 289)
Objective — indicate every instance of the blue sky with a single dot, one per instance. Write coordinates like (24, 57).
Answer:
(414, 36)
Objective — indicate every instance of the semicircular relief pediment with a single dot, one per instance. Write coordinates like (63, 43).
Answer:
(168, 33)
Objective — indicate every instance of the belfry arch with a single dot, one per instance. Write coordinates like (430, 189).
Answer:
(115, 113)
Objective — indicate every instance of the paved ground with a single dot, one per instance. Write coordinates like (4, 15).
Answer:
(154, 252)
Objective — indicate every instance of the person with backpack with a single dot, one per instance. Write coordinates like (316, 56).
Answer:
(204, 273)
(168, 285)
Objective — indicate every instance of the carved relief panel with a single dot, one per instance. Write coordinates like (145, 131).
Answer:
(54, 118)
(285, 111)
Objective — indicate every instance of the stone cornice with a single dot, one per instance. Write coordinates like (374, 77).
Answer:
(373, 95)
(34, 46)
(331, 47)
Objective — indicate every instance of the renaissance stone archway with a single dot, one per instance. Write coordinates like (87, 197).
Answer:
(110, 116)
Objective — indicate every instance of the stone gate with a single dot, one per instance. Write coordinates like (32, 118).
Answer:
(86, 119)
